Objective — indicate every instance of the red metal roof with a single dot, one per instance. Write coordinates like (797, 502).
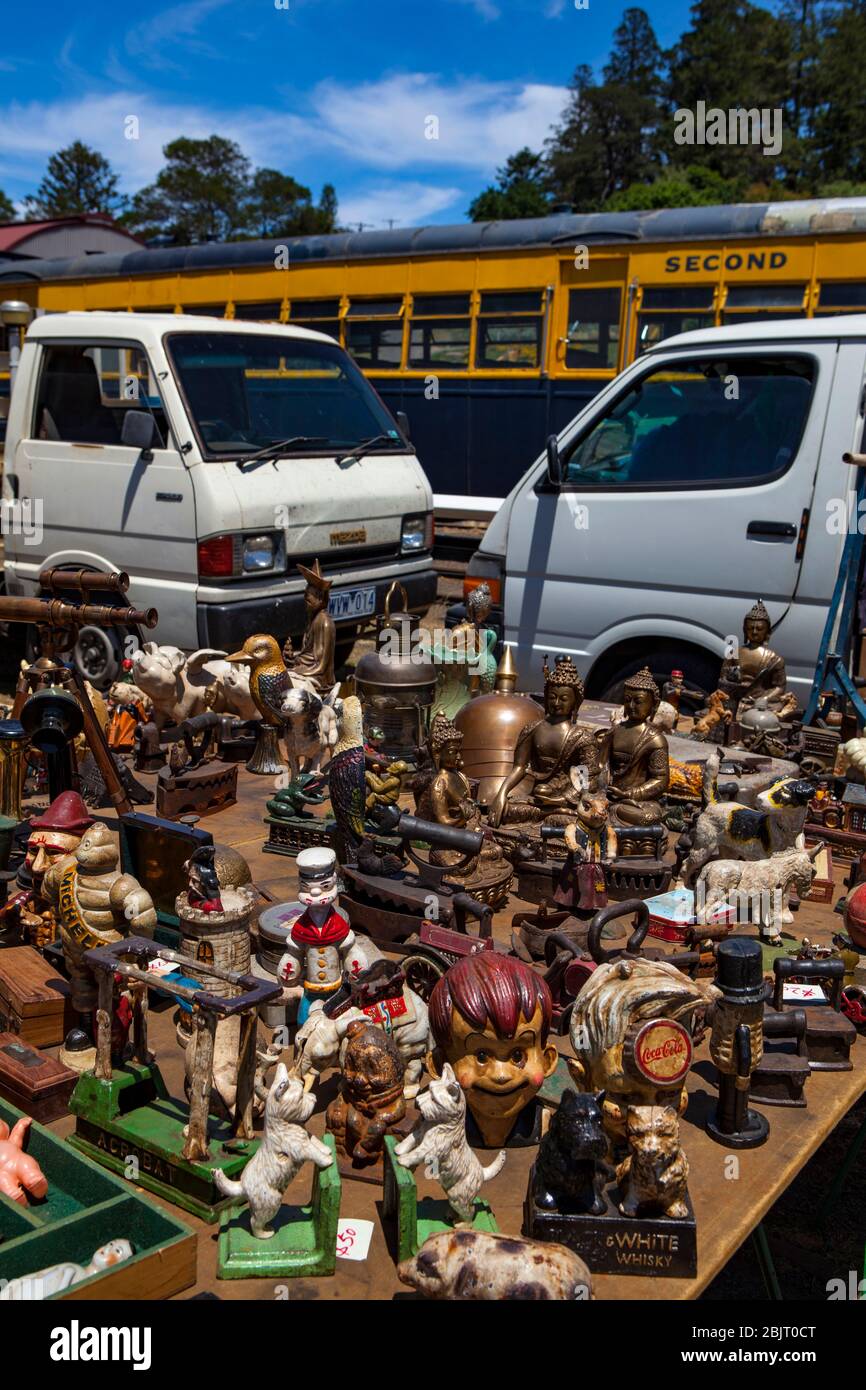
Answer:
(13, 233)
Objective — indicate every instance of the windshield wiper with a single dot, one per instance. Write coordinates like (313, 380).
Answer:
(367, 446)
(280, 446)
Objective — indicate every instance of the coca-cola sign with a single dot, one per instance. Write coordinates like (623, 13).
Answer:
(663, 1052)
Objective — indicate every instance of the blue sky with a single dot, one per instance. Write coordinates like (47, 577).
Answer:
(326, 90)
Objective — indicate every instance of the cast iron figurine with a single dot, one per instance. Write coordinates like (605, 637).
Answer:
(570, 1171)
(490, 1016)
(347, 781)
(320, 942)
(654, 1174)
(737, 1042)
(370, 1104)
(203, 890)
(757, 671)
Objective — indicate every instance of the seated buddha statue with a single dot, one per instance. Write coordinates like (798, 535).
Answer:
(757, 672)
(637, 756)
(550, 754)
(447, 798)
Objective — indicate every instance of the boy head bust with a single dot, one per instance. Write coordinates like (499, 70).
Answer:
(490, 1017)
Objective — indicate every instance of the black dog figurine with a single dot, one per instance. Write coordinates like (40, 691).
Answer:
(570, 1171)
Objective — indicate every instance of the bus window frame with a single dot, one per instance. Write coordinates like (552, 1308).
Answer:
(347, 317)
(537, 316)
(452, 320)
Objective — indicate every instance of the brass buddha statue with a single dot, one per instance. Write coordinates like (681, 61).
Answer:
(447, 798)
(756, 672)
(555, 760)
(637, 756)
(315, 661)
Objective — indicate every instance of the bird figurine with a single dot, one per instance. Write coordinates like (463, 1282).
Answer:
(347, 781)
(269, 676)
(203, 891)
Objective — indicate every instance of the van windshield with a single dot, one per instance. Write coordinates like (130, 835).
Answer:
(246, 391)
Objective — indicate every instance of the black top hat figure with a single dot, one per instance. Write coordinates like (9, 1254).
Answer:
(737, 1042)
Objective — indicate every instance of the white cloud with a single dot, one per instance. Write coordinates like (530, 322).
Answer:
(379, 125)
(406, 204)
(154, 41)
(384, 123)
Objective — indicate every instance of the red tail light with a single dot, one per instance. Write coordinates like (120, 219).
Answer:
(216, 557)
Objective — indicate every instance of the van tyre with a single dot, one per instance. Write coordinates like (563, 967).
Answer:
(98, 656)
(699, 672)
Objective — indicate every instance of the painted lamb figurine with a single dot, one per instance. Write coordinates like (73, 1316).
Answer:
(439, 1140)
(285, 1147)
(312, 727)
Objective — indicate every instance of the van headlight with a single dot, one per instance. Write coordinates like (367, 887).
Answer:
(263, 554)
(417, 532)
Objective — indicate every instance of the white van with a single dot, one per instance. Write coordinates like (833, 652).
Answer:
(207, 458)
(707, 474)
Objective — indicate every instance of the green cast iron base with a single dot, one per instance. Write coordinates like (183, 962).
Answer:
(132, 1116)
(418, 1220)
(304, 1240)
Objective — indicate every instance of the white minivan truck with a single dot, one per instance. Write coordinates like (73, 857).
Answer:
(707, 474)
(206, 458)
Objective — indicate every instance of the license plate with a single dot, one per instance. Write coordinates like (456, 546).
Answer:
(352, 603)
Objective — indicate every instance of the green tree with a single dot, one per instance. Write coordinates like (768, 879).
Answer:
(276, 204)
(328, 208)
(694, 186)
(839, 144)
(202, 194)
(7, 209)
(77, 179)
(520, 190)
(734, 55)
(636, 59)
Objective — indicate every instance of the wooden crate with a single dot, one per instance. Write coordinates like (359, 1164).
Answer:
(86, 1207)
(38, 1085)
(34, 999)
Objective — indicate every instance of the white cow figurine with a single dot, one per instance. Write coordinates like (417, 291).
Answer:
(181, 686)
(312, 727)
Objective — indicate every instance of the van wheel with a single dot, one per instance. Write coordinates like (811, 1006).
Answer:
(699, 673)
(98, 655)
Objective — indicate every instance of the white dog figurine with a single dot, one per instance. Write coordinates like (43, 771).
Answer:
(439, 1140)
(760, 888)
(285, 1147)
(730, 830)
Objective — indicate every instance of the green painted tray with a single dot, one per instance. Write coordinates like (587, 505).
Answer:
(304, 1240)
(86, 1207)
(418, 1220)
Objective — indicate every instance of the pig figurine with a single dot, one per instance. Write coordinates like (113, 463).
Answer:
(180, 687)
(492, 1267)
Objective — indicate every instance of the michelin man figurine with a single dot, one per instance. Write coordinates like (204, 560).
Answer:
(321, 943)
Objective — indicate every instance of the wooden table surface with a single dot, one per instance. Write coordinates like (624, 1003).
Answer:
(727, 1207)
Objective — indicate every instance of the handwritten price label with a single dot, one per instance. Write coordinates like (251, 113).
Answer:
(353, 1239)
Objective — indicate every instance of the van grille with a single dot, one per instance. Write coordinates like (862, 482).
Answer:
(351, 557)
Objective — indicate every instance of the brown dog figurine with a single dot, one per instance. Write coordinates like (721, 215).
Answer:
(370, 1103)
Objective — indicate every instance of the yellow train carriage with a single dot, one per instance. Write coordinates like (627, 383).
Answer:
(491, 336)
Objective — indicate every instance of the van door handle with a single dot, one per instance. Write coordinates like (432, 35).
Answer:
(771, 531)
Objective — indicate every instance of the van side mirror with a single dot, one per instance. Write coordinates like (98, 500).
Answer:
(403, 423)
(554, 461)
(139, 432)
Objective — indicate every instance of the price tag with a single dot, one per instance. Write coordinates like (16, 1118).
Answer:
(353, 1238)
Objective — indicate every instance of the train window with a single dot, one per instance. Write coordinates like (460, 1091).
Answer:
(509, 329)
(593, 328)
(843, 297)
(323, 315)
(750, 303)
(262, 313)
(677, 428)
(679, 297)
(217, 311)
(670, 309)
(374, 333)
(439, 331)
(86, 390)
